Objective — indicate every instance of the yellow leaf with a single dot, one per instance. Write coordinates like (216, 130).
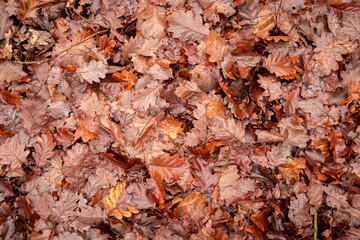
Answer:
(172, 127)
(111, 203)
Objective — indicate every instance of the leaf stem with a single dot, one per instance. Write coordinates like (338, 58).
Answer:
(315, 226)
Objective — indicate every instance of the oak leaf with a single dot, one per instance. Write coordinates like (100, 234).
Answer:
(266, 22)
(118, 204)
(168, 167)
(92, 71)
(328, 52)
(151, 20)
(10, 72)
(279, 64)
(44, 149)
(87, 130)
(172, 127)
(33, 113)
(299, 211)
(293, 168)
(13, 153)
(187, 26)
(215, 46)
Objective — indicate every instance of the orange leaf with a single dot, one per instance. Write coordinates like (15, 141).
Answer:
(172, 127)
(215, 108)
(87, 130)
(213, 144)
(164, 62)
(279, 64)
(168, 167)
(255, 232)
(260, 219)
(10, 97)
(215, 46)
(124, 76)
(293, 168)
(116, 204)
(194, 198)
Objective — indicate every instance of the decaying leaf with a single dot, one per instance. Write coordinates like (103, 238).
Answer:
(280, 65)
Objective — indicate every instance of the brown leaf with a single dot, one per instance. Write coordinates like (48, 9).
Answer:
(10, 72)
(151, 20)
(187, 26)
(13, 153)
(168, 167)
(87, 130)
(215, 46)
(293, 168)
(43, 149)
(260, 219)
(291, 103)
(279, 64)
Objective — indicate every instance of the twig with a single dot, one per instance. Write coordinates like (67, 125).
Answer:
(61, 52)
(315, 226)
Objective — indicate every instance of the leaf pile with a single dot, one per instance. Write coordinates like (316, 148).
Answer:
(204, 119)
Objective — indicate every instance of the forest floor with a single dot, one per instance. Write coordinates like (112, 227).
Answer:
(176, 119)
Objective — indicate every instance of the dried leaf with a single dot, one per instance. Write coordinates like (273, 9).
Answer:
(10, 72)
(118, 204)
(44, 149)
(151, 20)
(293, 168)
(13, 153)
(168, 167)
(187, 26)
(215, 46)
(280, 65)
(92, 71)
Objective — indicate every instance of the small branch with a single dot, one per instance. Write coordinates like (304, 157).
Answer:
(315, 226)
(61, 52)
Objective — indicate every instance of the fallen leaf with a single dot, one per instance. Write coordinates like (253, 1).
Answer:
(117, 204)
(215, 46)
(187, 26)
(168, 167)
(293, 168)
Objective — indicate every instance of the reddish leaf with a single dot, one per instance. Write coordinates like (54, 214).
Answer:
(260, 219)
(168, 167)
(279, 64)
(44, 149)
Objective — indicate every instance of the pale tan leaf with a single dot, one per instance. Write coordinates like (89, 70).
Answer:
(151, 20)
(187, 26)
(92, 71)
(13, 153)
(266, 22)
(10, 72)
